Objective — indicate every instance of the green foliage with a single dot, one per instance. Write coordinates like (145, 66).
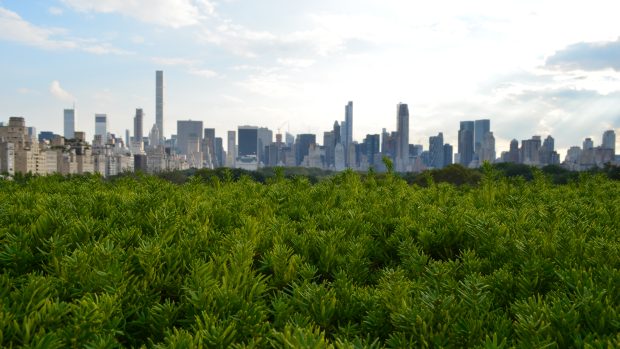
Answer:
(230, 259)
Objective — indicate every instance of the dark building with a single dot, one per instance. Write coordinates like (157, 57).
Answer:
(466, 143)
(370, 148)
(448, 154)
(302, 146)
(248, 141)
(219, 151)
(46, 136)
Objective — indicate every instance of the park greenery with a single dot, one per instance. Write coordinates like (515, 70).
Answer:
(224, 260)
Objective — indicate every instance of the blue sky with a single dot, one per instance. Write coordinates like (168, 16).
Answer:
(532, 67)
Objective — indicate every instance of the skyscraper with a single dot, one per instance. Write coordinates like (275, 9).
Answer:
(231, 154)
(69, 122)
(436, 151)
(101, 126)
(402, 145)
(138, 134)
(609, 140)
(159, 103)
(248, 141)
(448, 152)
(466, 142)
(348, 118)
(189, 133)
(481, 127)
(302, 146)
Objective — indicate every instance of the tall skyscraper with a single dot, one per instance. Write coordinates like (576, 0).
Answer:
(69, 122)
(588, 143)
(481, 127)
(348, 118)
(302, 146)
(609, 140)
(189, 133)
(101, 126)
(436, 151)
(138, 133)
(402, 145)
(248, 141)
(265, 138)
(466, 142)
(448, 154)
(231, 154)
(159, 103)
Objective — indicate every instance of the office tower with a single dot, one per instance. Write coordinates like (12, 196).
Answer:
(402, 145)
(101, 126)
(486, 152)
(513, 153)
(348, 119)
(548, 155)
(248, 141)
(435, 151)
(189, 136)
(154, 137)
(588, 144)
(69, 122)
(219, 151)
(329, 145)
(481, 127)
(609, 140)
(46, 136)
(530, 151)
(265, 138)
(448, 153)
(127, 138)
(302, 146)
(371, 148)
(137, 126)
(466, 143)
(231, 154)
(336, 130)
(159, 103)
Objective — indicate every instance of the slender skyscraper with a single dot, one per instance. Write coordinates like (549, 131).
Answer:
(609, 140)
(159, 103)
(69, 121)
(481, 127)
(137, 126)
(402, 128)
(348, 118)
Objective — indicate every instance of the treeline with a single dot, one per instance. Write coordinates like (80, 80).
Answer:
(452, 174)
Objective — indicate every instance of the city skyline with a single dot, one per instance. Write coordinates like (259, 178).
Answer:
(523, 65)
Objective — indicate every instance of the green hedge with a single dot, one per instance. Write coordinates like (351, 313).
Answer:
(349, 262)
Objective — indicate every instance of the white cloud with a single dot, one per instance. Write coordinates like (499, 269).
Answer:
(16, 29)
(168, 13)
(56, 11)
(57, 91)
(174, 61)
(205, 73)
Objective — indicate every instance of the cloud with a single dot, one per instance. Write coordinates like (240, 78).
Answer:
(56, 11)
(57, 91)
(16, 29)
(174, 61)
(205, 73)
(167, 13)
(588, 56)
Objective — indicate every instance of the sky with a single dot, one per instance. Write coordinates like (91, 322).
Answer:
(533, 67)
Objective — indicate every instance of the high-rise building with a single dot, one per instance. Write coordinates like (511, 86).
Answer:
(231, 154)
(69, 123)
(248, 141)
(101, 126)
(159, 103)
(486, 152)
(466, 142)
(371, 147)
(435, 151)
(588, 144)
(329, 145)
(265, 138)
(402, 144)
(138, 128)
(448, 153)
(348, 119)
(530, 151)
(302, 146)
(189, 136)
(219, 151)
(609, 140)
(481, 127)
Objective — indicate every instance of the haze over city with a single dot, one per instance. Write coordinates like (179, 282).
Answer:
(532, 67)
